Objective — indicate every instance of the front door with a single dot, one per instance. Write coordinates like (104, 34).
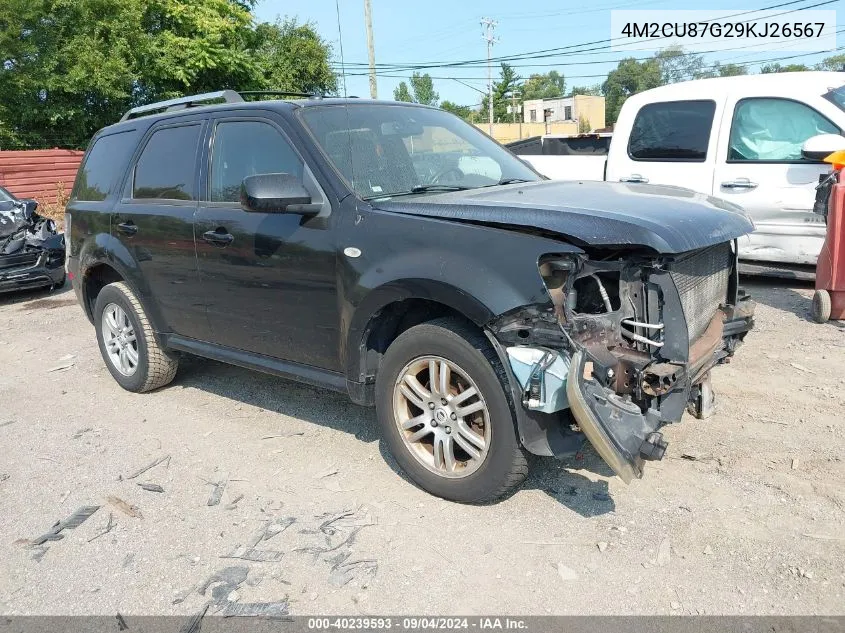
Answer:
(760, 168)
(269, 279)
(153, 222)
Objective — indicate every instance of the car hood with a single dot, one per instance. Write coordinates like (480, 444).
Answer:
(598, 214)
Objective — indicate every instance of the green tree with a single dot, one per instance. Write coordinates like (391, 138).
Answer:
(678, 65)
(293, 57)
(585, 90)
(583, 124)
(70, 67)
(508, 82)
(629, 77)
(777, 68)
(463, 111)
(547, 86)
(837, 62)
(729, 70)
(421, 90)
(402, 93)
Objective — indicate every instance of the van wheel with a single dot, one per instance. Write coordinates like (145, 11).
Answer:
(445, 414)
(127, 343)
(821, 306)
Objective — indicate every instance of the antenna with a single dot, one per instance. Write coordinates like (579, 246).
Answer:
(340, 40)
(489, 25)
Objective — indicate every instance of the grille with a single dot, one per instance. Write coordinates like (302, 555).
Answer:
(23, 259)
(702, 281)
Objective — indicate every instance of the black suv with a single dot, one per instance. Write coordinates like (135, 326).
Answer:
(396, 253)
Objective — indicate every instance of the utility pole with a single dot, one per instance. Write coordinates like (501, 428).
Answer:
(489, 25)
(368, 18)
(513, 110)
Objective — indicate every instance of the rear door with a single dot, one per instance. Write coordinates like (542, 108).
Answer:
(670, 144)
(153, 221)
(268, 279)
(759, 167)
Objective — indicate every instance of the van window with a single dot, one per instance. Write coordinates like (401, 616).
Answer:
(769, 129)
(246, 148)
(672, 131)
(167, 167)
(105, 162)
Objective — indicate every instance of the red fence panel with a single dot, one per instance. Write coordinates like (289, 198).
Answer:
(38, 173)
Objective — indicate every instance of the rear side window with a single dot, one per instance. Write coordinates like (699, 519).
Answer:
(773, 130)
(672, 131)
(104, 164)
(167, 167)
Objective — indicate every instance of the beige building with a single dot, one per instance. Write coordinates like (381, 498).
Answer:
(588, 107)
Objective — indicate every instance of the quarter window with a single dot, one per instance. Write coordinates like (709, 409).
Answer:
(247, 148)
(672, 131)
(167, 167)
(105, 162)
(773, 130)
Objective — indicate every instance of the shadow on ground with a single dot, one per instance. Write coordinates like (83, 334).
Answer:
(39, 298)
(333, 410)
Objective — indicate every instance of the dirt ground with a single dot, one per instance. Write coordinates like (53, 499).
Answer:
(746, 515)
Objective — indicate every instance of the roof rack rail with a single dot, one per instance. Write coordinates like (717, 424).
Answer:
(281, 93)
(228, 96)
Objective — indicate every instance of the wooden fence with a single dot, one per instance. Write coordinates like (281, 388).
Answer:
(39, 174)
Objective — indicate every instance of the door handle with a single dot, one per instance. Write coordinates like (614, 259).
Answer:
(634, 178)
(739, 183)
(128, 227)
(218, 237)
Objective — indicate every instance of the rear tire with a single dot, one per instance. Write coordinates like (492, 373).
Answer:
(821, 306)
(147, 366)
(487, 462)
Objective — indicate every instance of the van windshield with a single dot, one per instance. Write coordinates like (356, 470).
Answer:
(383, 151)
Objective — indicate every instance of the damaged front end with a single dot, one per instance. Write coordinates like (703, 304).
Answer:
(32, 251)
(625, 345)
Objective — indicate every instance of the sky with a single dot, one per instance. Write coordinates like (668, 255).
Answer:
(427, 32)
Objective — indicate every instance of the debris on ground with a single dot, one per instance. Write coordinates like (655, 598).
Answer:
(344, 572)
(121, 623)
(257, 609)
(801, 368)
(194, 624)
(272, 437)
(153, 464)
(233, 504)
(255, 555)
(794, 464)
(224, 582)
(124, 507)
(151, 487)
(62, 366)
(217, 490)
(73, 521)
(664, 552)
(328, 472)
(81, 432)
(566, 573)
(602, 545)
(109, 526)
(8, 422)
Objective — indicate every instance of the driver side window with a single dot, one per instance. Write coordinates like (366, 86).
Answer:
(246, 148)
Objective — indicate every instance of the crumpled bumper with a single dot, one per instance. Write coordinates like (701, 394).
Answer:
(16, 273)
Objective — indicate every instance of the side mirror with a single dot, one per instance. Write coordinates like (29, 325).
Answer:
(275, 193)
(819, 147)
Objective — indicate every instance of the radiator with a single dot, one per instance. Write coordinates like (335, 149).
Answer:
(702, 281)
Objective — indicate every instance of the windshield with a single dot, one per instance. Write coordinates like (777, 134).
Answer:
(384, 151)
(837, 97)
(5, 196)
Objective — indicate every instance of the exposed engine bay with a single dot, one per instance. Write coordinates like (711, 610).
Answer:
(32, 251)
(627, 344)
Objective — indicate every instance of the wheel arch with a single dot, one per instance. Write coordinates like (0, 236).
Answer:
(391, 309)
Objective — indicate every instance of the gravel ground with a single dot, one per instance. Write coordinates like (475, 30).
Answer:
(746, 514)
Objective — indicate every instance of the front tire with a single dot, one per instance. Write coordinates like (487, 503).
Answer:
(821, 306)
(127, 343)
(445, 415)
